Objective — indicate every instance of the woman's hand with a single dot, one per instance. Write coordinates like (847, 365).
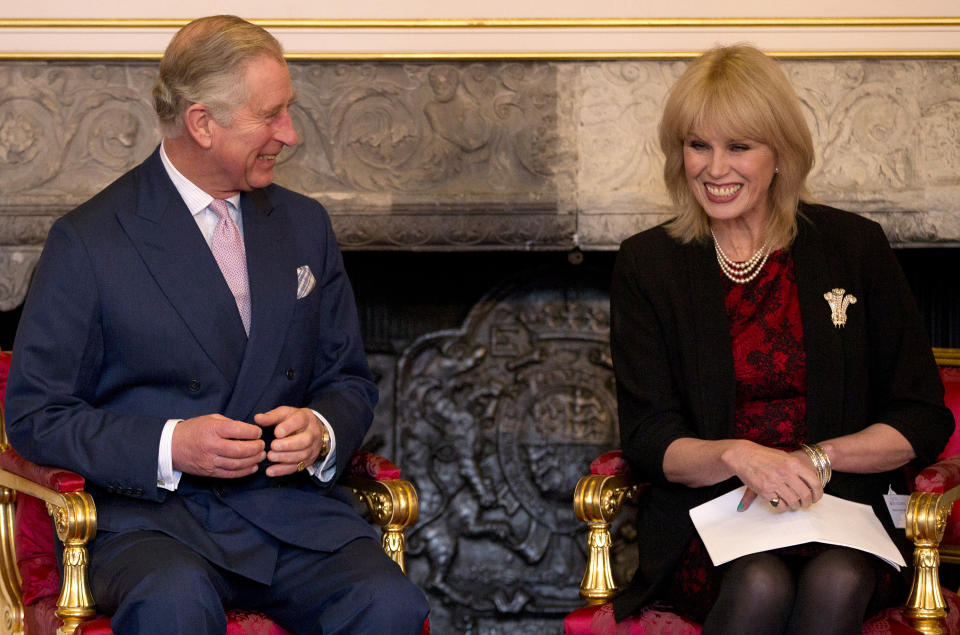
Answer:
(772, 474)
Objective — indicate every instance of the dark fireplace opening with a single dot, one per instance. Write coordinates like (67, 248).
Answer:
(402, 295)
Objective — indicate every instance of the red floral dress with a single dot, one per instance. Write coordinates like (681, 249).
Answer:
(766, 334)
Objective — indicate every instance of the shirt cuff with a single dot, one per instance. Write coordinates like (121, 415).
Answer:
(167, 477)
(326, 468)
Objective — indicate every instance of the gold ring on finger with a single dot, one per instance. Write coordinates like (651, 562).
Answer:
(301, 466)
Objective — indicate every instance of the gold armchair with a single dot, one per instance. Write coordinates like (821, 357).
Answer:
(375, 481)
(599, 497)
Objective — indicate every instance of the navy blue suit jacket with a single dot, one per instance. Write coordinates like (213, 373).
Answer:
(129, 323)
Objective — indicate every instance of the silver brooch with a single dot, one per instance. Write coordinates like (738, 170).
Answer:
(839, 300)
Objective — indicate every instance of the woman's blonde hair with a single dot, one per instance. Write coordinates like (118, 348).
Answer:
(740, 92)
(205, 64)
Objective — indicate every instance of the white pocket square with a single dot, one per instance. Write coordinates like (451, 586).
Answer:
(305, 281)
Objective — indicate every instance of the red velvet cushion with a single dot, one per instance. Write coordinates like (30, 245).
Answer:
(610, 463)
(55, 478)
(251, 623)
(951, 397)
(35, 555)
(4, 372)
(372, 465)
(40, 618)
(939, 477)
(598, 620)
(892, 621)
(238, 623)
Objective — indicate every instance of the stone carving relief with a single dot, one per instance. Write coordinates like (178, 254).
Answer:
(886, 135)
(457, 156)
(495, 423)
(486, 155)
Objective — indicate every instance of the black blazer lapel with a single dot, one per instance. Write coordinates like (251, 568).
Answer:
(822, 342)
(171, 245)
(272, 270)
(715, 371)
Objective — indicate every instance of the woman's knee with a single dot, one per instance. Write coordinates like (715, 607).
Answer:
(762, 577)
(838, 577)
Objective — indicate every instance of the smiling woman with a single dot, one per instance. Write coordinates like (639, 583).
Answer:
(734, 368)
(730, 179)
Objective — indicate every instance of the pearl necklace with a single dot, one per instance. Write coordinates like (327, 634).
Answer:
(741, 272)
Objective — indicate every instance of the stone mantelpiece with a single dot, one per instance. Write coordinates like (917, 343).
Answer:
(484, 156)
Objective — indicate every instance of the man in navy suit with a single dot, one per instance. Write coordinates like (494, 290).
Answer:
(210, 412)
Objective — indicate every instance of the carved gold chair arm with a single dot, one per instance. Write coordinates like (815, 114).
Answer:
(393, 505)
(927, 514)
(597, 501)
(75, 519)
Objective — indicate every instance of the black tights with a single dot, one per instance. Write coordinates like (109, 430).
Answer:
(766, 593)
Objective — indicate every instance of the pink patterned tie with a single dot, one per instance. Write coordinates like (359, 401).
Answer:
(227, 246)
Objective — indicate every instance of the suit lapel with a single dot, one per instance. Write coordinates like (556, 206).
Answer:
(822, 342)
(183, 266)
(272, 270)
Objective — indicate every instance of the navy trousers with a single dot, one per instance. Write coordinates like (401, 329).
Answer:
(152, 583)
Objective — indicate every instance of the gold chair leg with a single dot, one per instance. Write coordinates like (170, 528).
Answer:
(597, 500)
(927, 514)
(925, 608)
(395, 544)
(394, 506)
(11, 611)
(597, 585)
(76, 524)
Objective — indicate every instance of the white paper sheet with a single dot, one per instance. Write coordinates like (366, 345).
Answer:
(729, 534)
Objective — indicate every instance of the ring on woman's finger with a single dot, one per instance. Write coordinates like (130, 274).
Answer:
(775, 501)
(300, 466)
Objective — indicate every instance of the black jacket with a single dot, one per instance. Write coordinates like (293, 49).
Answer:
(673, 361)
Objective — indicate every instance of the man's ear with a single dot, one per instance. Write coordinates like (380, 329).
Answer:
(199, 122)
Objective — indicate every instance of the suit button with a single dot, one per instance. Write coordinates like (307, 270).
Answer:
(194, 385)
(218, 490)
(291, 374)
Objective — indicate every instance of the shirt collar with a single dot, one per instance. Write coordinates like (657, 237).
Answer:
(195, 198)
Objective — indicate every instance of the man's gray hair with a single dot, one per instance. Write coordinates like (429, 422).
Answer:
(205, 64)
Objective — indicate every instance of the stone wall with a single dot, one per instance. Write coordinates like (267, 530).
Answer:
(493, 416)
(486, 155)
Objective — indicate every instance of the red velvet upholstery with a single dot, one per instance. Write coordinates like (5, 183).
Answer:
(598, 620)
(609, 464)
(57, 479)
(951, 397)
(239, 623)
(945, 473)
(372, 466)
